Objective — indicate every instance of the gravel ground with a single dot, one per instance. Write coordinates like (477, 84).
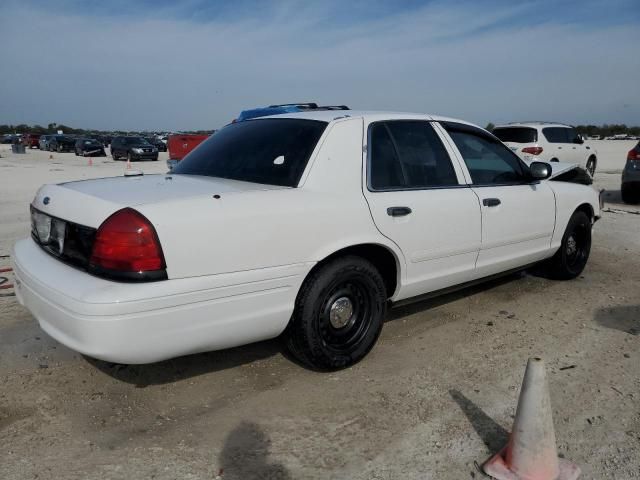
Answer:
(436, 396)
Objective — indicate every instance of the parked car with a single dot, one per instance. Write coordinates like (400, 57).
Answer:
(61, 143)
(281, 225)
(548, 142)
(156, 142)
(133, 148)
(9, 138)
(31, 140)
(630, 187)
(43, 142)
(89, 147)
(180, 145)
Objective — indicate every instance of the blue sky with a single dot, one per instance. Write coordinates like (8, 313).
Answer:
(195, 64)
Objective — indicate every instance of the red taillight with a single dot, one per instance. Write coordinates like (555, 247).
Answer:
(532, 150)
(633, 155)
(127, 242)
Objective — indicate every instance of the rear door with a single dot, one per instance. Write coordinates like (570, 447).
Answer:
(418, 198)
(518, 216)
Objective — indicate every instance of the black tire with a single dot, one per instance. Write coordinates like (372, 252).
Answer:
(59, 148)
(313, 336)
(629, 195)
(571, 258)
(76, 152)
(591, 165)
(113, 155)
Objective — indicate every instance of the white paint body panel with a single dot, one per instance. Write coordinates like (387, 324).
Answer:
(235, 264)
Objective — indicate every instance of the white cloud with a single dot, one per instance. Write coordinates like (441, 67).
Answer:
(145, 72)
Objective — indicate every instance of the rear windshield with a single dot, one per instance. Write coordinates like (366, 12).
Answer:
(516, 134)
(270, 151)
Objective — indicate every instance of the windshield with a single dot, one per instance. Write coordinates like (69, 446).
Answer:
(270, 151)
(516, 134)
(134, 141)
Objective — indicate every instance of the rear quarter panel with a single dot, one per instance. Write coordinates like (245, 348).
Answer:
(266, 228)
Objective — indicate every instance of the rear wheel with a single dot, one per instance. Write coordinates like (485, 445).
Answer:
(591, 166)
(338, 314)
(113, 155)
(571, 258)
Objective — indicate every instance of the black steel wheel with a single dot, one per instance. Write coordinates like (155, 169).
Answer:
(571, 258)
(338, 315)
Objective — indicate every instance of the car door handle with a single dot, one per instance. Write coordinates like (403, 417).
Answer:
(491, 202)
(398, 211)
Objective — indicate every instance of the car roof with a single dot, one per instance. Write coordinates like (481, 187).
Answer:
(370, 116)
(533, 124)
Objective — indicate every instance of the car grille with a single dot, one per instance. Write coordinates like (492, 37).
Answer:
(147, 150)
(65, 240)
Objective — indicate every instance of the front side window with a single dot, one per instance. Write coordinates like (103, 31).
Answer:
(408, 154)
(488, 160)
(272, 151)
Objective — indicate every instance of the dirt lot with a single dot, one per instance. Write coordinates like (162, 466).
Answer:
(435, 396)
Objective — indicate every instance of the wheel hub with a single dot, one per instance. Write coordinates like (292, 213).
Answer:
(341, 312)
(572, 246)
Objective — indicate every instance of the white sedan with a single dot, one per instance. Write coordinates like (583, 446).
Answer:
(306, 224)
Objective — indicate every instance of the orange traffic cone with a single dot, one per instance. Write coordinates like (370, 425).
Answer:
(531, 452)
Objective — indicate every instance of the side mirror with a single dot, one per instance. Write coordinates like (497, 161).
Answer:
(540, 170)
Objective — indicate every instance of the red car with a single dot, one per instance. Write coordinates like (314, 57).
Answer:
(31, 140)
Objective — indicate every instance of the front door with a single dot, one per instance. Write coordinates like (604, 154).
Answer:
(419, 200)
(518, 215)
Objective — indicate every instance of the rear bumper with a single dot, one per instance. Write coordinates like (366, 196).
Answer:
(144, 323)
(631, 175)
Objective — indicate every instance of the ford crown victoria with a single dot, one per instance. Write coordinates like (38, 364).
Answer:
(307, 225)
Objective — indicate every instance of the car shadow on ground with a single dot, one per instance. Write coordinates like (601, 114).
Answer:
(198, 364)
(613, 199)
(188, 366)
(245, 456)
(428, 303)
(492, 434)
(625, 318)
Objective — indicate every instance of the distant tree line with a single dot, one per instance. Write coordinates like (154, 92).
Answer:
(54, 127)
(606, 130)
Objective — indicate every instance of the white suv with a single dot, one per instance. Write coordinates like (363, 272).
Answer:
(547, 142)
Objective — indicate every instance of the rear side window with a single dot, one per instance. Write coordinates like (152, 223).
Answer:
(516, 134)
(557, 134)
(408, 154)
(272, 151)
(489, 161)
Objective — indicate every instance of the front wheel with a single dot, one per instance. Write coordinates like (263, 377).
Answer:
(571, 258)
(338, 314)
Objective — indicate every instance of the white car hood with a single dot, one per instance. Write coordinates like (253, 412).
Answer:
(143, 189)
